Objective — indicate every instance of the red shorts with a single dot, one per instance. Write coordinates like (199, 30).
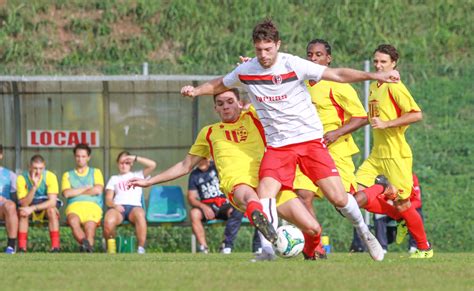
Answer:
(312, 156)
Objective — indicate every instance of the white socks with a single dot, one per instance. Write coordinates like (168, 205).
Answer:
(269, 208)
(352, 212)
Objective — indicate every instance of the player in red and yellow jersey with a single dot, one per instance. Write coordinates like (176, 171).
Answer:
(237, 145)
(391, 110)
(37, 191)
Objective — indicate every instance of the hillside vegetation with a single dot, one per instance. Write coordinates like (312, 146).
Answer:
(435, 39)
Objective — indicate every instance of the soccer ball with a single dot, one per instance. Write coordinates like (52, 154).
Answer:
(290, 241)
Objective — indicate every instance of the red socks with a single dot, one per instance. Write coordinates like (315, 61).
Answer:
(416, 227)
(310, 243)
(22, 240)
(54, 235)
(377, 204)
(251, 207)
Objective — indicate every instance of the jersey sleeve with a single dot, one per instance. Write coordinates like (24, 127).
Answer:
(98, 177)
(65, 184)
(201, 146)
(306, 70)
(111, 184)
(232, 80)
(21, 188)
(52, 183)
(349, 101)
(403, 98)
(13, 178)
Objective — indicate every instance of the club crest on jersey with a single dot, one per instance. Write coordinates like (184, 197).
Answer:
(237, 135)
(277, 79)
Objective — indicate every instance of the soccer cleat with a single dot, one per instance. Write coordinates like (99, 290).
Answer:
(204, 250)
(320, 252)
(389, 190)
(264, 256)
(226, 251)
(55, 250)
(373, 245)
(141, 250)
(422, 254)
(86, 246)
(9, 250)
(264, 226)
(402, 232)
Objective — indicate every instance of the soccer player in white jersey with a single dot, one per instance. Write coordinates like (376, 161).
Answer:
(293, 130)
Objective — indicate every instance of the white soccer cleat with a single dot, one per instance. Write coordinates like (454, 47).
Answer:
(373, 245)
(265, 255)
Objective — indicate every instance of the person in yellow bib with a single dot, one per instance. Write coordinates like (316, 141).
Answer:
(37, 191)
(391, 110)
(83, 188)
(237, 144)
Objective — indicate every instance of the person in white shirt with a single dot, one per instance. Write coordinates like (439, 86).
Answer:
(276, 85)
(126, 204)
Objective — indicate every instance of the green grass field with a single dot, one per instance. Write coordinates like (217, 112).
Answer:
(342, 271)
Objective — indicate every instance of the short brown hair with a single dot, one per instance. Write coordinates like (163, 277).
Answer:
(233, 90)
(122, 153)
(265, 31)
(388, 49)
(82, 146)
(37, 159)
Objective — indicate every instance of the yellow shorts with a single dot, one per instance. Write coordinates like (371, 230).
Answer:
(346, 169)
(302, 182)
(398, 172)
(228, 185)
(87, 211)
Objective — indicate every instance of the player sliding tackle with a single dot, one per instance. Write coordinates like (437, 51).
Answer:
(293, 130)
(237, 146)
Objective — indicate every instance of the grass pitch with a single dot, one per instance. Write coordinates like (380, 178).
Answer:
(342, 271)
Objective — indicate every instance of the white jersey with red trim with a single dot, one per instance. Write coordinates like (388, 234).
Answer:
(280, 97)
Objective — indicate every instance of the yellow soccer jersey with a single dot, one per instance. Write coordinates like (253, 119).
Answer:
(236, 148)
(336, 104)
(393, 100)
(98, 178)
(51, 185)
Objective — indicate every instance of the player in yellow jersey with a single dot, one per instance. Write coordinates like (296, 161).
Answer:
(392, 110)
(237, 145)
(83, 188)
(37, 191)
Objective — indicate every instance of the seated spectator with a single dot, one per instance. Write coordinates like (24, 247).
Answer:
(7, 206)
(83, 188)
(37, 191)
(126, 204)
(208, 203)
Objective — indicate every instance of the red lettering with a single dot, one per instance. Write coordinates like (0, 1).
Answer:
(84, 137)
(45, 138)
(60, 138)
(33, 138)
(73, 139)
(93, 139)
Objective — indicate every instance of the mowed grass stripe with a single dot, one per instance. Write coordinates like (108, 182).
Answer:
(35, 271)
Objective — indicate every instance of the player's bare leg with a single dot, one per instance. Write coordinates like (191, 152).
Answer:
(295, 212)
(77, 232)
(246, 198)
(333, 190)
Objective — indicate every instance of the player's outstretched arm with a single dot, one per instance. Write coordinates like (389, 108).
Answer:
(346, 75)
(212, 87)
(405, 119)
(180, 169)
